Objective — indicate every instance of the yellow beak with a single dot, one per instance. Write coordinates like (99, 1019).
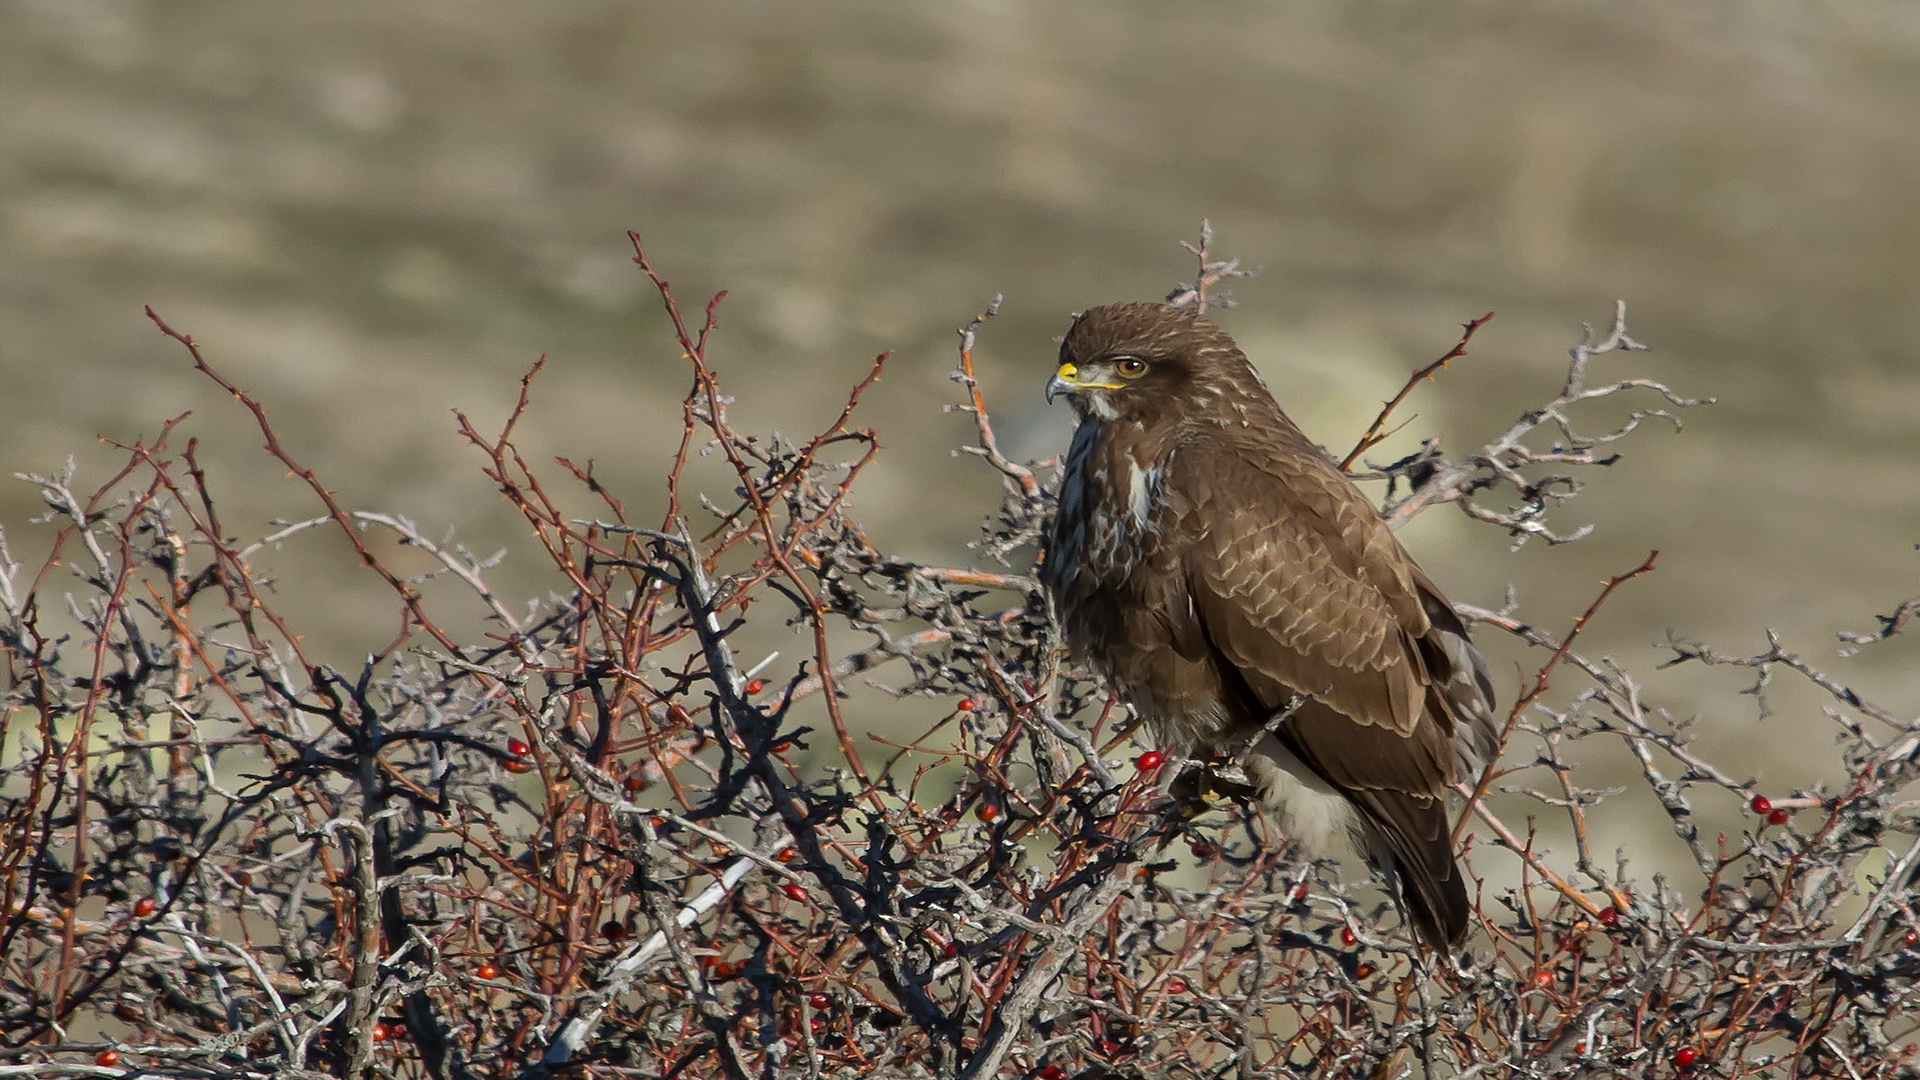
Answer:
(1067, 381)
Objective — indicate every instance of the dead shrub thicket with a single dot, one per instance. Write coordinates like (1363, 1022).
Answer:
(595, 841)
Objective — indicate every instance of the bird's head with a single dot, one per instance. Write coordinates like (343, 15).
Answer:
(1140, 361)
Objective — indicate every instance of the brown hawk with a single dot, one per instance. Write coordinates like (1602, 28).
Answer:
(1215, 566)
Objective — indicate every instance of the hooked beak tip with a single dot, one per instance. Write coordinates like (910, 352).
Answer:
(1065, 381)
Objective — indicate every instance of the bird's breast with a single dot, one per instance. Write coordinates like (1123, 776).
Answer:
(1113, 567)
(1110, 519)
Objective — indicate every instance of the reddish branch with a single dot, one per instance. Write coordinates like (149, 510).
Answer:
(1375, 433)
(414, 615)
(1544, 678)
(706, 391)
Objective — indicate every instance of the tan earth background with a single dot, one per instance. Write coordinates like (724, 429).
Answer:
(374, 213)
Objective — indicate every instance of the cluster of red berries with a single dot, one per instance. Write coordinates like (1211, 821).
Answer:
(517, 752)
(1765, 808)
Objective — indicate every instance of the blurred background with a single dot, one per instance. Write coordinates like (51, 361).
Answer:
(372, 213)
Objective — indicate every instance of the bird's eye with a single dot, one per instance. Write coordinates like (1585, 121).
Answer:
(1130, 367)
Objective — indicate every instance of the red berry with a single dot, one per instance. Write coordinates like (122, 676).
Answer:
(1911, 939)
(143, 907)
(1299, 892)
(519, 765)
(1176, 986)
(635, 784)
(754, 686)
(1543, 979)
(1685, 1057)
(678, 715)
(1053, 1072)
(816, 1025)
(612, 930)
(1609, 916)
(107, 1057)
(1205, 849)
(966, 704)
(818, 1001)
(1761, 805)
(380, 1033)
(1149, 761)
(786, 855)
(1347, 937)
(1778, 817)
(518, 748)
(950, 949)
(242, 878)
(1364, 971)
(986, 811)
(794, 890)
(488, 971)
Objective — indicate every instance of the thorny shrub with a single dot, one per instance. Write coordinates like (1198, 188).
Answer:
(592, 842)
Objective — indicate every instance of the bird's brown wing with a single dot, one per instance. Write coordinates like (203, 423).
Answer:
(1295, 586)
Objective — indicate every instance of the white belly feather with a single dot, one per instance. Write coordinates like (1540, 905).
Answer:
(1309, 809)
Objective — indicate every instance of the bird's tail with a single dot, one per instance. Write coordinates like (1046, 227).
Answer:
(1411, 842)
